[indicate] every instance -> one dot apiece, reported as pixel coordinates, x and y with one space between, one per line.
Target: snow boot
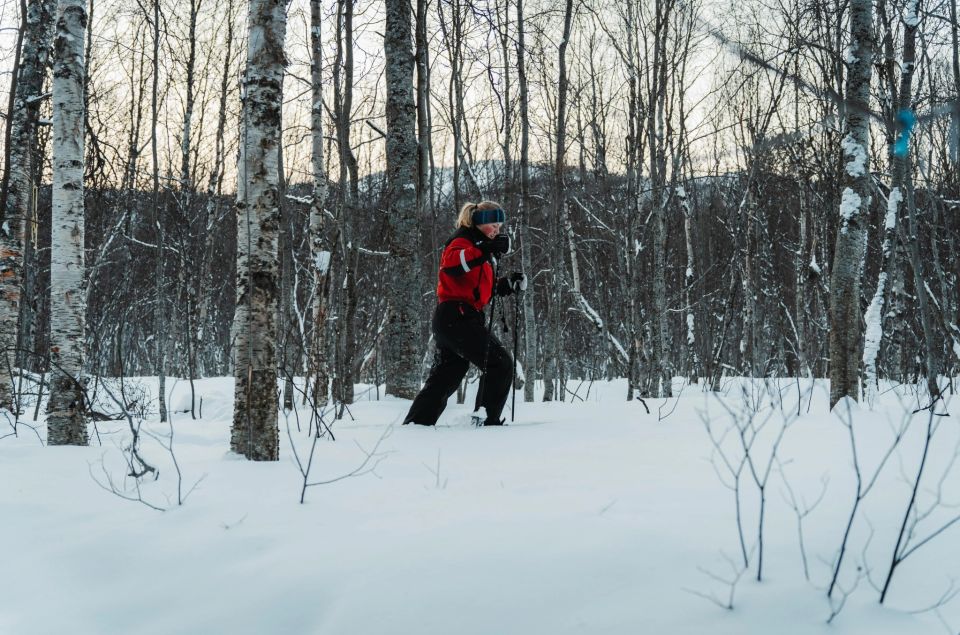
479 421
416 423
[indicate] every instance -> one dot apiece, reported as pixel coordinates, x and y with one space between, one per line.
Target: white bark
65 411
255 433
34 61
874 315
688 284
845 335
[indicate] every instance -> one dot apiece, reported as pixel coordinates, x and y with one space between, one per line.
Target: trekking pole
516 340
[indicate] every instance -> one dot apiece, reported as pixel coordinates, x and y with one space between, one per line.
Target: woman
466 285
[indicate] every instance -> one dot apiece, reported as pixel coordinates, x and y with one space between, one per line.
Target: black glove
513 283
496 246
518 281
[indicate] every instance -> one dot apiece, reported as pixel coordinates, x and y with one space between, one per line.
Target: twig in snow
801 510
436 473
837 604
736 573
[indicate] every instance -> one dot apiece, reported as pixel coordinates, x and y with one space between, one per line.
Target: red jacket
466 274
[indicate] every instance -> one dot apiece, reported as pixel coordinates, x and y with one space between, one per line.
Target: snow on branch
591 214
306 200
594 317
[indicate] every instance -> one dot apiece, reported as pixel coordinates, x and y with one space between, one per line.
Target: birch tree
403 376
187 189
657 131
255 433
845 336
66 424
38 32
931 352
347 200
553 374
159 308
900 164
288 329
636 106
320 261
529 318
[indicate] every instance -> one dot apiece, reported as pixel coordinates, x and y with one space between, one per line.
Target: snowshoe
479 421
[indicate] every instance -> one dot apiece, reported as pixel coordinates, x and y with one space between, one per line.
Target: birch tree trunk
931 352
746 255
688 283
66 424
288 331
159 309
912 240
20 167
255 433
845 336
900 164
403 325
659 195
529 319
187 289
632 211
347 195
553 375
320 261
801 262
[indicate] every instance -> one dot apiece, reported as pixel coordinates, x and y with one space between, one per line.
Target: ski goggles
485 216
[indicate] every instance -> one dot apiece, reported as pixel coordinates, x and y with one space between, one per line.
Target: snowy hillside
586 517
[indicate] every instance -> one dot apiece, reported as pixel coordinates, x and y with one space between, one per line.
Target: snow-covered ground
585 517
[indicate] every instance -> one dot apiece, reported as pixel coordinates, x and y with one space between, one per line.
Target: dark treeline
735 230
689 198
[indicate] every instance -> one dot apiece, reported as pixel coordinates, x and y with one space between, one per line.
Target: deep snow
585 517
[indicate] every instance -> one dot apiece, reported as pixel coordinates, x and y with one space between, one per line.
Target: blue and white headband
484 216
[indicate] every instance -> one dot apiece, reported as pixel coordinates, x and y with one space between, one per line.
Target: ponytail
465 218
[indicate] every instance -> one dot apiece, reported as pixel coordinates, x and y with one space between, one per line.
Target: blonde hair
465 218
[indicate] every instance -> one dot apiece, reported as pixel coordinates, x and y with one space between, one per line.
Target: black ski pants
462 339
